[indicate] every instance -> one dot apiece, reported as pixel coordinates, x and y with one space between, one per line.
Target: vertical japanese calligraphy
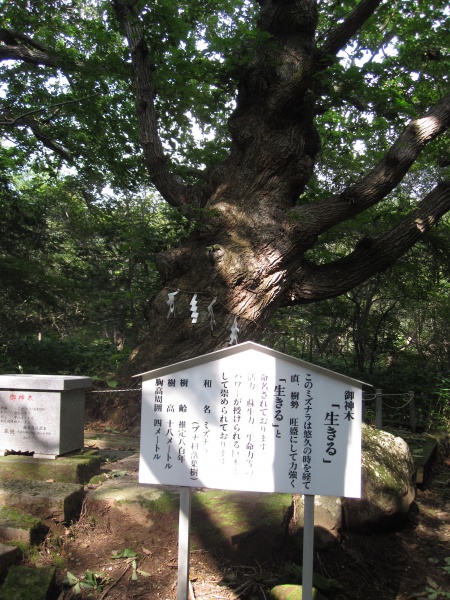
252 421
307 433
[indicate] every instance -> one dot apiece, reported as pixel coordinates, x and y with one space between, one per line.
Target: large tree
368 80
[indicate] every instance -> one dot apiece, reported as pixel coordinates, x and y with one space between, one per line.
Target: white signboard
250 418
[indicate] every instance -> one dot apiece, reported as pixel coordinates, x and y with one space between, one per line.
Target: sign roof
245 347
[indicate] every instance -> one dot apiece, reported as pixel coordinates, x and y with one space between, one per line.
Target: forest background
82 226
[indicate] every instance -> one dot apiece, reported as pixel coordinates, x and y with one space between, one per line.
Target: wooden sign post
252 419
184 542
308 546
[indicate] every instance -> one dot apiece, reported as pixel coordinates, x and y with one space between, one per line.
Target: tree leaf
126 553
70 579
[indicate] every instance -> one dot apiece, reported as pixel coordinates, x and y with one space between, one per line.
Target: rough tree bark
249 253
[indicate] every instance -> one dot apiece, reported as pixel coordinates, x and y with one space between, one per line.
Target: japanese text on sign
253 423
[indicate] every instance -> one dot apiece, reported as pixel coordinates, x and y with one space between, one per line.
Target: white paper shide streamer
194 309
171 303
234 332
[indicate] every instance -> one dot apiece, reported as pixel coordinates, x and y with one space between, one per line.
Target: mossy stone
78 468
15 525
388 483
291 573
9 555
62 501
291 592
26 583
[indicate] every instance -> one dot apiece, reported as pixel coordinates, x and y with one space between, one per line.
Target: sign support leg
184 542
308 546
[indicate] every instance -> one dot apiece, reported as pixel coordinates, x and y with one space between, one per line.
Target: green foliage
130 557
386 77
89 582
78 264
391 332
126 553
446 568
439 404
77 274
435 592
84 102
72 102
97 358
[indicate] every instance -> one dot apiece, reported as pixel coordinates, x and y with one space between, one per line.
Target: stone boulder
388 489
388 484
292 592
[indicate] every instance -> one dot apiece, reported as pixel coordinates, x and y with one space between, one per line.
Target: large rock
58 501
388 483
327 522
28 583
292 592
78 468
8 556
15 525
388 489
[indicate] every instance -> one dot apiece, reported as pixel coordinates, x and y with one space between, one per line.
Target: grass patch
164 503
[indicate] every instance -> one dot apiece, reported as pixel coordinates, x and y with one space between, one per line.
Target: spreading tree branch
170 186
313 282
54 107
378 183
292 25
17 46
34 57
340 36
284 96
26 119
47 141
11 38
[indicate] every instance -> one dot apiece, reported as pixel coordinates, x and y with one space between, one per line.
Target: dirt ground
411 563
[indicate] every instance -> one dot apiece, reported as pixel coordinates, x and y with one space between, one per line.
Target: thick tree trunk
248 251
246 268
